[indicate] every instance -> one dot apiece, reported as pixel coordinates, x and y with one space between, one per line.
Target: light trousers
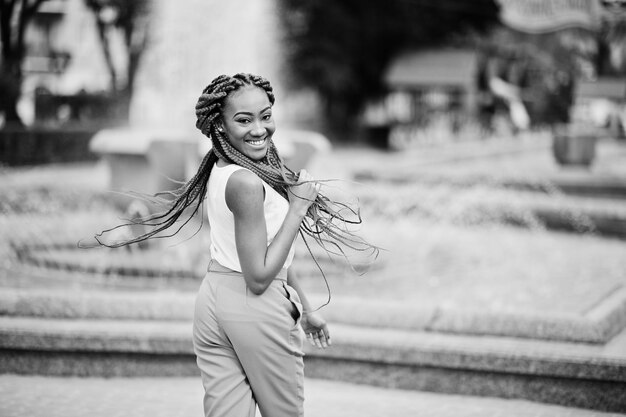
248 347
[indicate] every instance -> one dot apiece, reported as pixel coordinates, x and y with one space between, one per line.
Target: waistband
215 266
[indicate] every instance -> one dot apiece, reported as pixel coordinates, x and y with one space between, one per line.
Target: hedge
36 146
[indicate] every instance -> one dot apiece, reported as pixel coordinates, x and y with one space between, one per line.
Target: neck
221 163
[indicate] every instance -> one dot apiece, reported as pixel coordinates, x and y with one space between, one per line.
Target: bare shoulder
244 190
243 179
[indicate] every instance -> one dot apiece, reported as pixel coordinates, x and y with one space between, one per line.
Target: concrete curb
392 347
598 325
602 221
593 187
605 224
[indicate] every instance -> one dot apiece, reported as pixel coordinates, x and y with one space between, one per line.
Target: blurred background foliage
342 51
132 19
342 48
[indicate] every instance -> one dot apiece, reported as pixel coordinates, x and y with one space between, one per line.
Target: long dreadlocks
326 221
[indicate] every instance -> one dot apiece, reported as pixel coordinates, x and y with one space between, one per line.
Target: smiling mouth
259 142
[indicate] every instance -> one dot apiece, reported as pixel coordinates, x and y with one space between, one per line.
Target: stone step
574 374
598 325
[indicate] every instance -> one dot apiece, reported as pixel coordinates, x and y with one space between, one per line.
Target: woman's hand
316 330
303 194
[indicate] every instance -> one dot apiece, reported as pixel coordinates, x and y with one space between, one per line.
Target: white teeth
256 142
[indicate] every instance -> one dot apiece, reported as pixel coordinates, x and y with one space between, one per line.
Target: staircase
574 361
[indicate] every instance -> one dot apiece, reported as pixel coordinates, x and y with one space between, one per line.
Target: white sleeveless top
222 221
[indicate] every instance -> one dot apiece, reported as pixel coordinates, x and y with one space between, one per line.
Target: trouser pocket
294 299
278 302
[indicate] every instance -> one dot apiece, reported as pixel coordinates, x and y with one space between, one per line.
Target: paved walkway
35 396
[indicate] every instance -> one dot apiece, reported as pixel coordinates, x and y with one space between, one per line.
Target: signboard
541 16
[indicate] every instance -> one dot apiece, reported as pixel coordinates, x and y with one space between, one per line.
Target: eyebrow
247 113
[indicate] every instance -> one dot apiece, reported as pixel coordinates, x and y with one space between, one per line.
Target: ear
220 126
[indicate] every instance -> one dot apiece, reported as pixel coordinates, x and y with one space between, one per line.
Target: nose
257 129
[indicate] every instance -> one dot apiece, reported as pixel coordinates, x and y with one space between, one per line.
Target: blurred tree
542 66
341 48
130 18
546 66
611 40
15 15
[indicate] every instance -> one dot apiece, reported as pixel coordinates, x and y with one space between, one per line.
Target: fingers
304 177
326 333
306 189
317 339
320 338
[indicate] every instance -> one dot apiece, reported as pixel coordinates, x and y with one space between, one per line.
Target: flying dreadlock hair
326 221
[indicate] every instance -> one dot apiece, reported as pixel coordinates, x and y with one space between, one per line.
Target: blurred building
429 90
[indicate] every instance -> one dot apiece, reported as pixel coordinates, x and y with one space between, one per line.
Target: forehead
247 99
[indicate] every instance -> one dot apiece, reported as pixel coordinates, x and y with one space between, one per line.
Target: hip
225 294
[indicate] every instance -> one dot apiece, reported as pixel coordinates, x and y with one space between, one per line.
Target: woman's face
247 121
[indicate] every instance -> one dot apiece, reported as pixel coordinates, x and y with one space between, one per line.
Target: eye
243 120
267 116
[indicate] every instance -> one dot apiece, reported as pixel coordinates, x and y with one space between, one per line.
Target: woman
250 307
245 333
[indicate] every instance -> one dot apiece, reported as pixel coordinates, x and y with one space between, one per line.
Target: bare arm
261 263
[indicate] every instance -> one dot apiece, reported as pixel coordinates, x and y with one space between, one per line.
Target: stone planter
145 160
574 146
